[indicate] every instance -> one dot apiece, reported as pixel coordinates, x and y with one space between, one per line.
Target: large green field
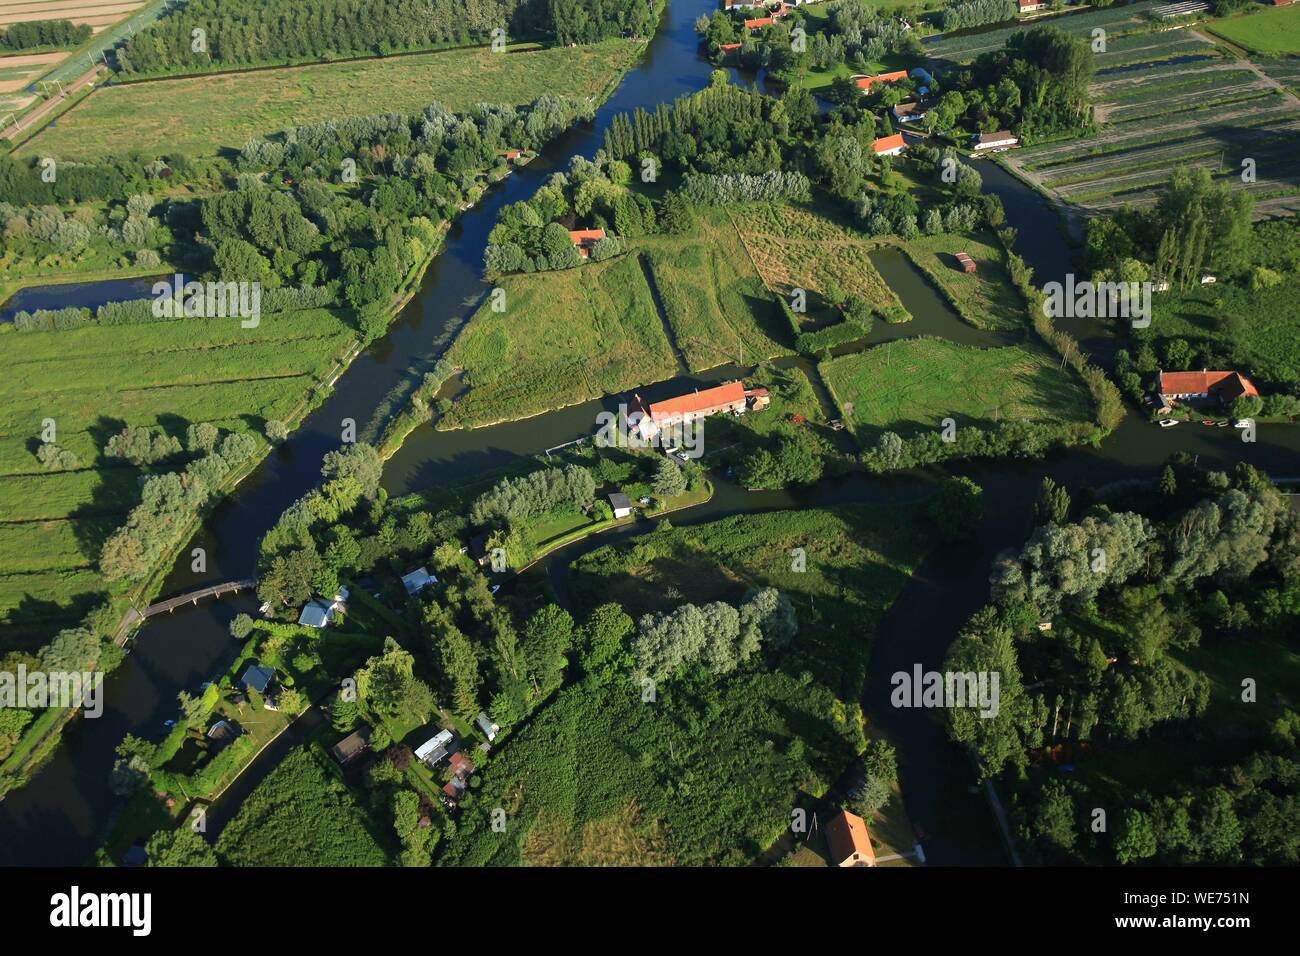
984 298
914 384
92 382
563 338
1268 32
709 772
202 115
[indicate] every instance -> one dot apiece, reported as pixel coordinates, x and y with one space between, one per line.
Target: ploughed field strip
1210 114
98 13
1115 20
1286 72
1126 52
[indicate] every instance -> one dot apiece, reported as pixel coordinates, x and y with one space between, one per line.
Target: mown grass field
1268 32
986 298
564 337
203 115
94 381
707 774
718 307
913 384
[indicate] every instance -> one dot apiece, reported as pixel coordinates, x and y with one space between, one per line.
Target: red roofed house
1029 6
460 771
759 23
889 145
849 841
686 408
965 261
1225 386
1282 3
512 154
729 48
584 239
865 83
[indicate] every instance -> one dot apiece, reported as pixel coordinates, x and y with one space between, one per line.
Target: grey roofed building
1000 138
352 746
621 504
257 678
436 747
224 730
417 580
316 613
485 724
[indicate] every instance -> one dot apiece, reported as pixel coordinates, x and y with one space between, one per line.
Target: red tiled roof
886 143
459 764
728 47
846 834
695 402
866 82
760 22
1229 385
584 239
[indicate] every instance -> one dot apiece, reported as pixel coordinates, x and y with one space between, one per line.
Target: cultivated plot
1224 115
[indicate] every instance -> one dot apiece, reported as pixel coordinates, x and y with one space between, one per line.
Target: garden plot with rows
1116 21
1202 111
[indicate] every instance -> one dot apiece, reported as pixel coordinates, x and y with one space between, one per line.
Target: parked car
1244 423
1167 422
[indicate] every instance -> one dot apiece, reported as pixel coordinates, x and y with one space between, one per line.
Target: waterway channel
61 815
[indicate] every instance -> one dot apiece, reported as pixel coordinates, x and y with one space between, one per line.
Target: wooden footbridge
193 597
135 617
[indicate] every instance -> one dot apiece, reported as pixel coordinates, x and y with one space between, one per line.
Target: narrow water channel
60 817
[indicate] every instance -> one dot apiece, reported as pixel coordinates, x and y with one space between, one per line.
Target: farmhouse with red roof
848 840
584 239
733 397
865 83
889 145
1227 387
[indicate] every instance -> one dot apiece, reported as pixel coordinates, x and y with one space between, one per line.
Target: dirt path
36 117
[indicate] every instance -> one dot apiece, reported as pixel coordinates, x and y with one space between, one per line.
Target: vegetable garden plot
1148 47
1195 101
1211 79
1116 20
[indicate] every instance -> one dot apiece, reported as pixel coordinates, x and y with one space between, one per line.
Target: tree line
248 32
34 34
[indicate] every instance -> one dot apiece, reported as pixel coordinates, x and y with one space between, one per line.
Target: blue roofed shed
257 678
317 613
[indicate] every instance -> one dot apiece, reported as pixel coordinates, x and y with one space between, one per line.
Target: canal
61 816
